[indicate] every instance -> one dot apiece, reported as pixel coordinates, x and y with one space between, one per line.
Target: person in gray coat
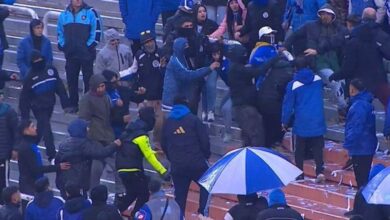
114 56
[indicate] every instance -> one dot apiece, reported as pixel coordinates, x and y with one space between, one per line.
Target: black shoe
300 177
348 165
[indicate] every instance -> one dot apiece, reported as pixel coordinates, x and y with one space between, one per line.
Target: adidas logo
180 130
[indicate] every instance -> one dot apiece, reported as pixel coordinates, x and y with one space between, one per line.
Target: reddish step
329 193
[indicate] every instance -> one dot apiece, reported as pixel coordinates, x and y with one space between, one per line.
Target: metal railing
49 15
22 10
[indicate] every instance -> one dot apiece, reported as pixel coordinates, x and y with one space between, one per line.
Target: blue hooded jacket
360 133
304 100
178 76
298 16
139 16
78 128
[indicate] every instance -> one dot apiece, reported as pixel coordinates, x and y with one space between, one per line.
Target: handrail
46 17
30 11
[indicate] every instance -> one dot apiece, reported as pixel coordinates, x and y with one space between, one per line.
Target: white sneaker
204 116
320 178
210 116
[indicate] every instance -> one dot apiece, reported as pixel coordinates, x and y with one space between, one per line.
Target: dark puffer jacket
8 130
79 151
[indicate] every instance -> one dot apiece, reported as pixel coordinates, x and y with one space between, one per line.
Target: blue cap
277 197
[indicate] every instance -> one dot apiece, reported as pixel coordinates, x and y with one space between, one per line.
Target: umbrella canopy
249 170
377 191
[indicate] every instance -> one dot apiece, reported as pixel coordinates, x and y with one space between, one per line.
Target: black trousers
361 168
272 128
251 123
72 68
43 117
136 184
301 144
194 96
182 180
4 175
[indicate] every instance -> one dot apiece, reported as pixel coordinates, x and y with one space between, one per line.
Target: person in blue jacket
45 205
79 30
178 76
304 104
360 134
139 16
35 41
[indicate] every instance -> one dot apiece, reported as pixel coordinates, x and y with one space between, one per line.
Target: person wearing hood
360 131
11 209
79 150
243 94
39 95
184 11
152 209
35 41
75 204
114 56
45 205
30 163
8 139
179 76
278 208
261 13
247 208
79 49
99 196
233 21
95 108
363 57
304 100
323 41
185 142
129 160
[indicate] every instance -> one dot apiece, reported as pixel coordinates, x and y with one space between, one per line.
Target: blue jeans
226 109
209 92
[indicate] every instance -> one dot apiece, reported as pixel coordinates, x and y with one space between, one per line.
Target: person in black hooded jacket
243 95
38 95
45 205
99 196
247 208
186 143
79 151
129 160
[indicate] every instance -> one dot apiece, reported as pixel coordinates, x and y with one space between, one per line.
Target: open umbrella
249 170
377 191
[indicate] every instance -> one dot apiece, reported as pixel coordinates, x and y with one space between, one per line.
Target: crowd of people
275 57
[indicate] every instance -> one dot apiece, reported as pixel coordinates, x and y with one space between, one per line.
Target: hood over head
179 111
305 76
78 128
96 80
328 9
34 22
237 53
111 34
179 46
363 96
99 195
277 197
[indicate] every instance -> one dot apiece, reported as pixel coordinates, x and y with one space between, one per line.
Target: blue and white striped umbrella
249 170
377 191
